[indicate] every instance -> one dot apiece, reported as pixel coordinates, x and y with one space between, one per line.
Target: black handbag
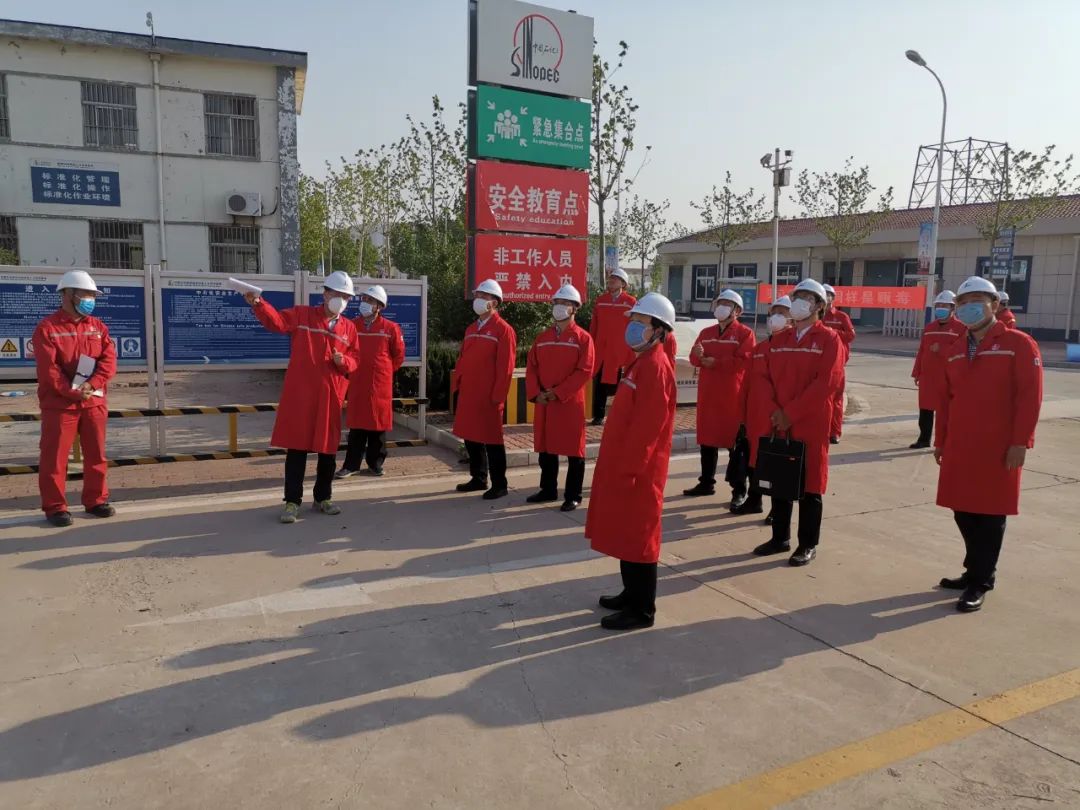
781 467
739 461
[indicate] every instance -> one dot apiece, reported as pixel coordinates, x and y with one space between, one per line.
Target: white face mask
481 306
801 309
560 312
777 322
337 305
723 312
367 309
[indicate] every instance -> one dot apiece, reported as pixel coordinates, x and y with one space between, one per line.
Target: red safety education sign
528 199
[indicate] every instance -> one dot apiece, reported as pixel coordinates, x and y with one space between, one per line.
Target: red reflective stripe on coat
803 377
59 340
627 499
929 368
720 386
758 406
1007 318
988 404
840 322
309 412
380 353
608 330
482 378
561 363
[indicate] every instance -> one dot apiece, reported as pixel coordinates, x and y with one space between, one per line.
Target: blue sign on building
404 310
72 183
217 327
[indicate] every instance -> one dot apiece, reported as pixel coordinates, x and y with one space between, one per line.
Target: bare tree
730 218
646 227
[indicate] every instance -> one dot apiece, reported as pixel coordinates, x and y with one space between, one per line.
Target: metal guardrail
190 410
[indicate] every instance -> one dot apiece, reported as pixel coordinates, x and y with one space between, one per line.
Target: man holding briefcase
804 372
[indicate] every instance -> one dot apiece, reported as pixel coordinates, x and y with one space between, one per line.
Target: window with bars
5 126
231 125
704 282
9 241
109 119
234 249
742 271
116 244
788 272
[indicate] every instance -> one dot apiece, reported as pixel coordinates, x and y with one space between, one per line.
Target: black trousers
365 445
296 468
639 585
549 476
485 457
983 536
754 488
926 425
736 473
810 509
601 392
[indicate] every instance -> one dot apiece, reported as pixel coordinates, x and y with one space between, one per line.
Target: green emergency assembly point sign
529 127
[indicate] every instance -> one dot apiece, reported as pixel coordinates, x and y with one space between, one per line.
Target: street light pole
918 60
781 177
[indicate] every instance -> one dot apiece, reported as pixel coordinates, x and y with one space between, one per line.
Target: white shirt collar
480 323
800 332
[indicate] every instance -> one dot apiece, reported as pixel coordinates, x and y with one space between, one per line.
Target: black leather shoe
736 502
961 582
772 548
768 519
542 497
919 445
102 510
376 471
834 440
495 493
626 620
60 519
473 485
699 491
971 600
569 505
802 556
750 506
617 602
597 422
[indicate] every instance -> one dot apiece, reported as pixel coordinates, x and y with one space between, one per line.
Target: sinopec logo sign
521 45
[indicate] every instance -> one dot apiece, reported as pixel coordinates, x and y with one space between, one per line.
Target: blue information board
404 310
121 305
749 297
68 185
217 327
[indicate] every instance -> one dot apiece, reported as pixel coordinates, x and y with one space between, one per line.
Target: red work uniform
561 362
757 404
59 341
840 322
371 387
627 500
309 413
929 369
481 379
608 330
801 375
989 403
720 387
1007 318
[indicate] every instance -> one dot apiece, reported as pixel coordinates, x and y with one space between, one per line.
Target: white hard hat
1003 297
945 297
809 285
655 306
339 281
491 287
829 289
977 284
730 295
567 292
377 292
76 280
618 272
782 301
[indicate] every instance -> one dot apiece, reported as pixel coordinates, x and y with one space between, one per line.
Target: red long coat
756 397
929 368
720 387
59 340
989 404
371 386
481 379
803 378
608 330
840 322
627 499
309 413
562 363
1006 317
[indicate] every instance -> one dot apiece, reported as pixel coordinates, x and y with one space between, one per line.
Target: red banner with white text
862 297
528 268
528 199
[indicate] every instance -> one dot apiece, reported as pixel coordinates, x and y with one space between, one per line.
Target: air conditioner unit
243 204
680 306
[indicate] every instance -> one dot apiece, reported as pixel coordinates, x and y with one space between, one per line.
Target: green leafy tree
730 218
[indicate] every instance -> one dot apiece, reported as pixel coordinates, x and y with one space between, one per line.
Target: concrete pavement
431 649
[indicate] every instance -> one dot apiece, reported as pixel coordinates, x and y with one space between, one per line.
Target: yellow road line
790 782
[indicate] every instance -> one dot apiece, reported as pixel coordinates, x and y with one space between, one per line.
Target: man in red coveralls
627 500
71 403
606 327
721 354
322 355
987 418
370 411
929 369
804 369
559 367
1005 313
838 321
481 380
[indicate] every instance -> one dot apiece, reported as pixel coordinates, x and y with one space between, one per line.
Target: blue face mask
85 306
972 313
941 313
635 334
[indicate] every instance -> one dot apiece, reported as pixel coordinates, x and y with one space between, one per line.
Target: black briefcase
739 461
781 467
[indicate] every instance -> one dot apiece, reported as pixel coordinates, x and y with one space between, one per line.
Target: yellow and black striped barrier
190 410
519 411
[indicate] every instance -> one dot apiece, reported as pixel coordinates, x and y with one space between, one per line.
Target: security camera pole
781 178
